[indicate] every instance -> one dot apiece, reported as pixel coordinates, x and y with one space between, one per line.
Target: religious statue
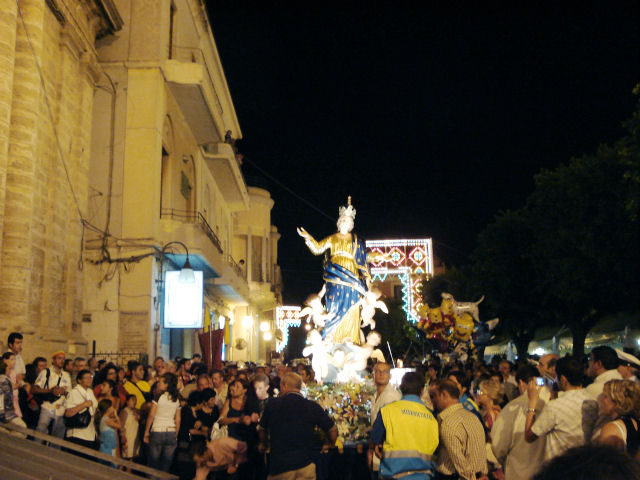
346 275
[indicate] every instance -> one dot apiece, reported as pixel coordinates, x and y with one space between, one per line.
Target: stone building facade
164 170
48 72
123 146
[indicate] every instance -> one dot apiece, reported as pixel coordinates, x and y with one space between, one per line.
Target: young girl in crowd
129 418
108 425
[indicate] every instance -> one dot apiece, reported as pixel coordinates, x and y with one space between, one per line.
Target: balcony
205 249
196 80
223 276
221 161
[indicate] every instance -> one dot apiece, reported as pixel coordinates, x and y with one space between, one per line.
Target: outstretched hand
302 232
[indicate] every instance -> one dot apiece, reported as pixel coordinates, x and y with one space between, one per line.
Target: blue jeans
50 419
162 445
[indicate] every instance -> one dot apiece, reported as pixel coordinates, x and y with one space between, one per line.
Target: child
129 418
108 424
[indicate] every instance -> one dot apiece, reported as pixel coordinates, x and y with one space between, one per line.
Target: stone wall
47 78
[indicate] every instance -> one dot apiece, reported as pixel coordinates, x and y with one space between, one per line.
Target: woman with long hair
9 359
163 423
7 410
488 396
620 400
237 413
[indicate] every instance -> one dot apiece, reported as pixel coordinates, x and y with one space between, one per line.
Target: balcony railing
236 268
195 218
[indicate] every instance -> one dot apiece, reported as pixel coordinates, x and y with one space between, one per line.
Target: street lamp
186 272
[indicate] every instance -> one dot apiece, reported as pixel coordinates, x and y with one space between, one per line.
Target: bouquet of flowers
348 404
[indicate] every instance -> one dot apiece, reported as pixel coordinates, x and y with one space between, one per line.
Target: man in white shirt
385 393
603 366
520 459
55 384
567 421
220 386
15 346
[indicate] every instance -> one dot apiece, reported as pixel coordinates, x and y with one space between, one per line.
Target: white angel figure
315 309
356 360
320 359
369 303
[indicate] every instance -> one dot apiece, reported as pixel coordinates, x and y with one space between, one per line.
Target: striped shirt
462 443
566 421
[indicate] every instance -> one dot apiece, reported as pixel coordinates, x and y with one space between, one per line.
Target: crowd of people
470 421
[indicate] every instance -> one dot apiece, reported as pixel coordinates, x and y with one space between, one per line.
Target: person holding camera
50 388
567 421
519 458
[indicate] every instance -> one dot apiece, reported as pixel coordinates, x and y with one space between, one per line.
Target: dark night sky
434 120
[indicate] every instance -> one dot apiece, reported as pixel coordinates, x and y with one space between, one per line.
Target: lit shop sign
182 301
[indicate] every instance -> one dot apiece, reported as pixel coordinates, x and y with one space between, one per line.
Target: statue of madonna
346 275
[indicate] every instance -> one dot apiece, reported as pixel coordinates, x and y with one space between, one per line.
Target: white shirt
58 406
221 396
388 395
19 368
521 460
595 389
165 417
77 396
567 421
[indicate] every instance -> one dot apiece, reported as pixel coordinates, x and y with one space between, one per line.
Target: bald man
289 421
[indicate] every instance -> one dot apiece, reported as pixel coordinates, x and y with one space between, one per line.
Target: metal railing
122 358
241 272
20 443
195 218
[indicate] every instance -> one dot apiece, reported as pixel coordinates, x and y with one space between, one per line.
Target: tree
586 239
503 269
395 329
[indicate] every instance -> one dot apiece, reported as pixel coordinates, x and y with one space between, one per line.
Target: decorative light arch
286 316
411 260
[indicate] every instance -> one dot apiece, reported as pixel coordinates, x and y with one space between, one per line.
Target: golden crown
348 211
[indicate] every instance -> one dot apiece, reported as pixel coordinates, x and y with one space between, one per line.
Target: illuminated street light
267 336
186 272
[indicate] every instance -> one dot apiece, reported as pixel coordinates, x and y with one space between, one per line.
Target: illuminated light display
286 316
183 302
411 260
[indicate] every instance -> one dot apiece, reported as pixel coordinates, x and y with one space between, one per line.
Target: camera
540 381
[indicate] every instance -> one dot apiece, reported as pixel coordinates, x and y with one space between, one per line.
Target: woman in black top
236 413
189 426
208 412
620 400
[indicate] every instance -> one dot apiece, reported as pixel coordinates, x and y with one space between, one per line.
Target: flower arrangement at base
348 404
